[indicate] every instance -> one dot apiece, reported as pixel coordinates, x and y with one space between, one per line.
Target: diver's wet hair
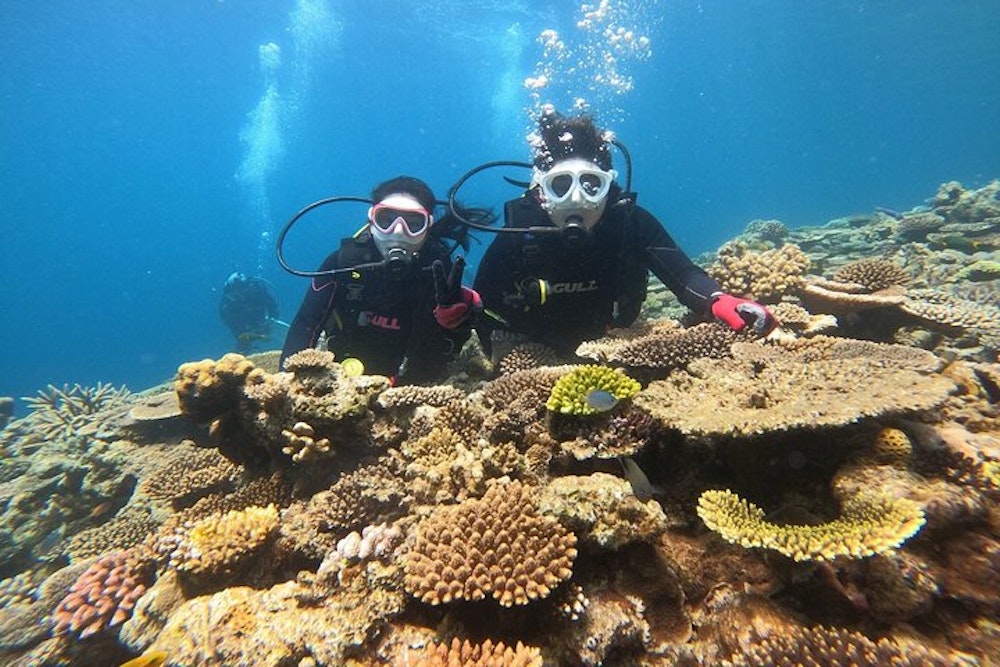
560 138
406 185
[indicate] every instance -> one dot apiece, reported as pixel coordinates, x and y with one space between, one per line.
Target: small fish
149 659
641 487
600 400
895 215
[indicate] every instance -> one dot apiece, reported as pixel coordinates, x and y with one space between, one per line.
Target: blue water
148 149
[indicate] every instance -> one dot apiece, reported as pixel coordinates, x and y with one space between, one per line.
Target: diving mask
574 192
399 227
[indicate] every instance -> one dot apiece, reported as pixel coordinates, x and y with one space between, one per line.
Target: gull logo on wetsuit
573 288
367 318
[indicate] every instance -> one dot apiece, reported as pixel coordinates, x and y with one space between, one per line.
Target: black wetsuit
596 284
247 308
378 318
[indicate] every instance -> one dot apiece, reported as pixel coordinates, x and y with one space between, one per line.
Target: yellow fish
150 659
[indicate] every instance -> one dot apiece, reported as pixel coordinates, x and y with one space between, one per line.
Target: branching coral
188 473
664 349
499 546
765 276
873 273
464 654
572 392
526 356
61 413
867 526
411 396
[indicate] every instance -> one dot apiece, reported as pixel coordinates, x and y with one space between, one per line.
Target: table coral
868 525
664 349
834 647
498 546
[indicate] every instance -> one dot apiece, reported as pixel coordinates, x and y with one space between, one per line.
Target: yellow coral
216 544
892 447
207 388
487 654
868 526
570 393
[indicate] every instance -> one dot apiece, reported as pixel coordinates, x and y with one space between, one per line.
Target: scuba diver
249 309
390 296
580 264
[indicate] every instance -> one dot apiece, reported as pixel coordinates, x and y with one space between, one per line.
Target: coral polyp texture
574 394
665 348
499 546
873 274
868 525
764 276
461 653
104 595
831 647
207 388
217 544
810 384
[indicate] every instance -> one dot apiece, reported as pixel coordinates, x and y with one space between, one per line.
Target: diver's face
575 192
399 222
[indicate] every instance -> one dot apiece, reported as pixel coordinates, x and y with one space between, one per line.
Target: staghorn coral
833 647
763 276
219 544
868 525
206 389
487 654
806 384
664 349
571 393
874 274
103 596
411 396
499 546
63 412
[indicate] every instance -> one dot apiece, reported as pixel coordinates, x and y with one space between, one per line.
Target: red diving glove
736 313
455 302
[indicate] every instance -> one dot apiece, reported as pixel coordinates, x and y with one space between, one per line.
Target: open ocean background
150 147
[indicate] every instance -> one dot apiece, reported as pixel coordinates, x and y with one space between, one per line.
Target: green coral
569 395
868 525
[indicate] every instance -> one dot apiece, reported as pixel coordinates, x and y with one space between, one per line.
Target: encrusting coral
497 546
572 392
867 525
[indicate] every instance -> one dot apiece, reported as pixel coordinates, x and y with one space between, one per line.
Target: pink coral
103 596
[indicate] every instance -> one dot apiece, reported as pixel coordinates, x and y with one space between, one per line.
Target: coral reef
324 518
573 392
499 546
867 526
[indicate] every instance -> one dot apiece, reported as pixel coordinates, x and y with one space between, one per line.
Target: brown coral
129 528
206 389
498 546
665 350
103 596
951 312
834 647
763 276
411 396
814 383
189 473
527 356
873 273
464 654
